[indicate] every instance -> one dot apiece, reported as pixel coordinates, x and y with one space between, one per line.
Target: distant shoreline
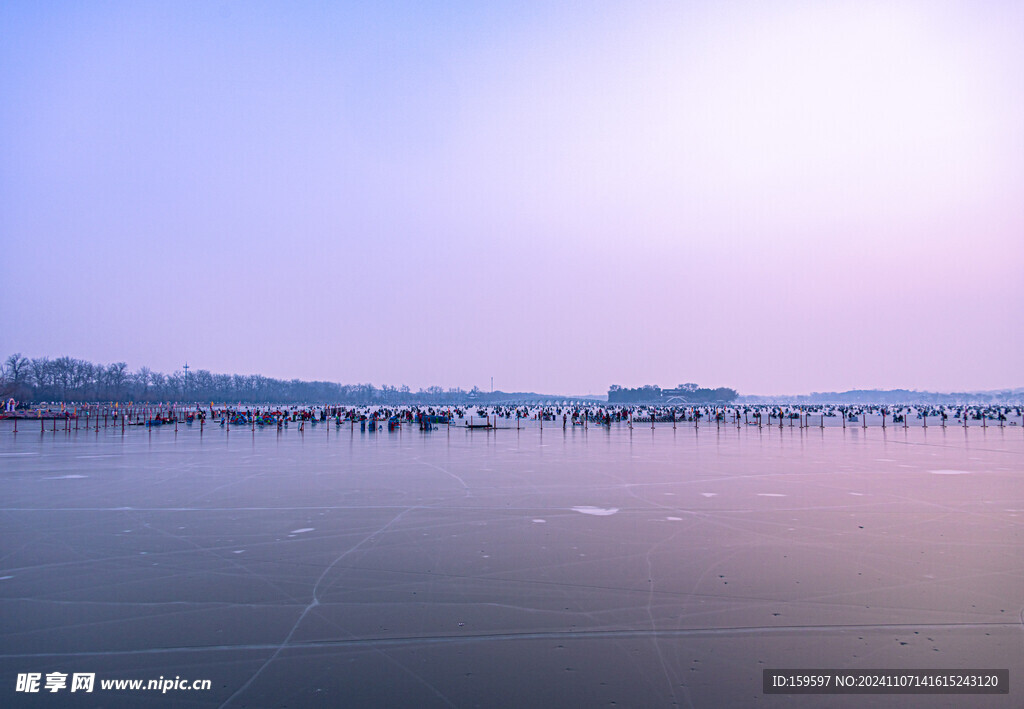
66 379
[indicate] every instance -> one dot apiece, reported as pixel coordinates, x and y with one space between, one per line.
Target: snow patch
597 511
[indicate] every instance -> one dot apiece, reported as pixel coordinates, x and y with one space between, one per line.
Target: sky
775 196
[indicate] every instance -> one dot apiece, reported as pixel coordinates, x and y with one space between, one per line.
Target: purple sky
776 196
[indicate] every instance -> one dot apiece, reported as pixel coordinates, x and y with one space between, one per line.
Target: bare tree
117 375
16 368
140 381
42 376
63 375
82 377
159 385
15 372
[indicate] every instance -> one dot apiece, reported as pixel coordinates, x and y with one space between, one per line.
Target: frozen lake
504 568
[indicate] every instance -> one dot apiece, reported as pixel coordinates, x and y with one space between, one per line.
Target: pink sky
775 196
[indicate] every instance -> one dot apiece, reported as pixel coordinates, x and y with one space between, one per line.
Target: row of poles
804 419
122 418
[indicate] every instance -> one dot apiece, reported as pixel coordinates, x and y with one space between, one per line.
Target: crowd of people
517 416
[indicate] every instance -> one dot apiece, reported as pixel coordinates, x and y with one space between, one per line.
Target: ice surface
447 568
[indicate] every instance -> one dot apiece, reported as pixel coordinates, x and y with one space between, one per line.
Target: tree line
66 379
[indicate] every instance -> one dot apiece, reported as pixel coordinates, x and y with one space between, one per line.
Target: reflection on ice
443 560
